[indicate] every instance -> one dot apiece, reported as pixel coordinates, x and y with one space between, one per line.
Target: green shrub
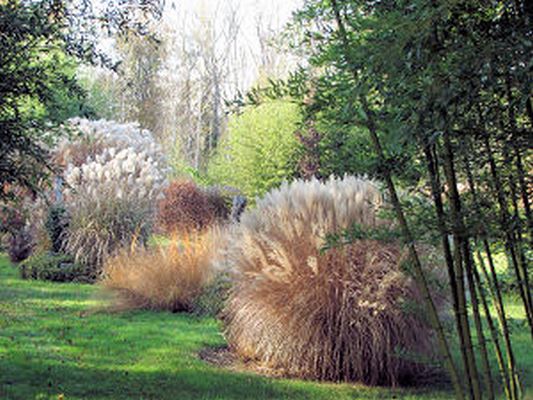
211 301
52 267
55 224
261 149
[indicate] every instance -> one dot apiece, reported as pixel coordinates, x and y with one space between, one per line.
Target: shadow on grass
51 379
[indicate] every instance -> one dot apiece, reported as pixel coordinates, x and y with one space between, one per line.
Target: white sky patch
248 57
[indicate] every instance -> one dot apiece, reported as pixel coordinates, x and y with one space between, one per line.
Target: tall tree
38 87
41 44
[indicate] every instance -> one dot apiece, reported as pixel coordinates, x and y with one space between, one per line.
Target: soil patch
223 357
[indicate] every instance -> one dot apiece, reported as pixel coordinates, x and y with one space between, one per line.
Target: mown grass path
53 346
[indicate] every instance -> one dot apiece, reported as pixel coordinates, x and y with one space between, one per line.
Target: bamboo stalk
441 222
518 159
504 373
419 272
459 249
517 235
517 225
514 386
509 240
529 110
511 380
487 374
523 188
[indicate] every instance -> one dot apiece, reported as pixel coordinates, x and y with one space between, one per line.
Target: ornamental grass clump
167 277
110 198
345 314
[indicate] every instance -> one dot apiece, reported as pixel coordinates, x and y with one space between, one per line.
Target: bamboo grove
449 84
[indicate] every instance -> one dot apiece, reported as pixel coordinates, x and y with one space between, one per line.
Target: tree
260 150
42 41
139 96
38 90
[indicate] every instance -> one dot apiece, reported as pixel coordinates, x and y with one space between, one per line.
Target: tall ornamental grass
169 276
346 314
111 197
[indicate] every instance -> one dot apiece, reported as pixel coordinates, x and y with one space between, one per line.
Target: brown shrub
20 245
185 208
342 314
167 277
220 199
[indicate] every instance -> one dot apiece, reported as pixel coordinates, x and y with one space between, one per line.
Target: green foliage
100 92
55 224
356 232
295 86
38 89
51 266
345 147
261 149
211 301
197 176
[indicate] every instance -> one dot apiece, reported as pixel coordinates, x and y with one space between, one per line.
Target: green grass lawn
53 346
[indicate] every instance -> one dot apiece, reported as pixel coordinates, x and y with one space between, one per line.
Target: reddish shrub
20 245
185 208
18 232
11 219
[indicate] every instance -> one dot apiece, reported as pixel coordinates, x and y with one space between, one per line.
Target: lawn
54 345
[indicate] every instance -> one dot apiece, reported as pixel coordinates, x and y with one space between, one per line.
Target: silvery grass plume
111 196
342 314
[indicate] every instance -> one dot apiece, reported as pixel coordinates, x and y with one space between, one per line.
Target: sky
271 15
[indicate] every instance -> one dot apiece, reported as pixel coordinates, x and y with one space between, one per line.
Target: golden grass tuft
167 277
340 315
